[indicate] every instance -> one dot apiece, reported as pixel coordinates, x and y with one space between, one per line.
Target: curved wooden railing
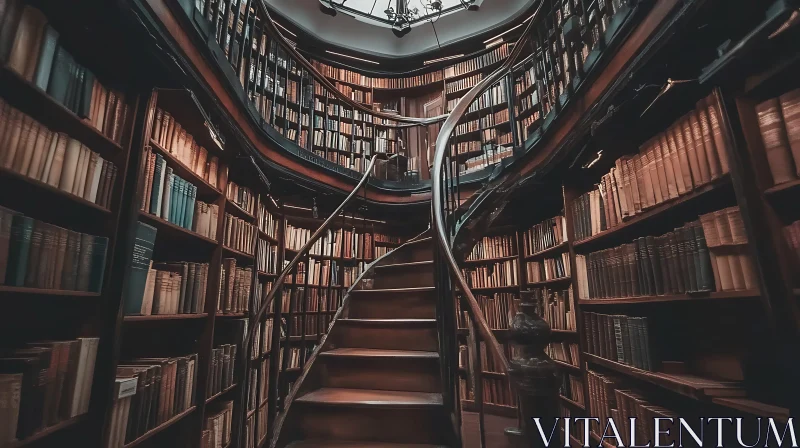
561 43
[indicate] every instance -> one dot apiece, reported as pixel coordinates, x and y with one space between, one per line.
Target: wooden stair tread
378 353
392 322
409 264
396 290
342 444
367 397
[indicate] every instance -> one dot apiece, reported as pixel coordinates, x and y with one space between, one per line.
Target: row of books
548 233
525 80
565 352
218 425
172 288
467 127
234 287
258 381
675 263
557 307
243 197
31 149
336 243
490 157
467 147
239 234
572 388
498 309
37 254
262 339
408 81
165 387
548 269
351 273
463 83
221 365
267 222
479 62
779 124
498 274
494 247
267 257
342 74
315 324
690 154
496 118
172 198
495 391
171 136
44 383
124 390
37 56
494 96
612 398
620 338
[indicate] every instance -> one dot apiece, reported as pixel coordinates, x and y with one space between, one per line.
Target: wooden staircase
375 382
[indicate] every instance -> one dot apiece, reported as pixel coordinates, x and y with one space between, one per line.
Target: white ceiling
349 33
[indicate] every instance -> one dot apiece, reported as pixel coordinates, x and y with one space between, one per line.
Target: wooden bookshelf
49 431
688 385
165 317
160 427
718 295
174 230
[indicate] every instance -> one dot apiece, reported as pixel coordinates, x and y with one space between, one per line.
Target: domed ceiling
364 26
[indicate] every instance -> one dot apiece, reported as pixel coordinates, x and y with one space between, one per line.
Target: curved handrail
437 193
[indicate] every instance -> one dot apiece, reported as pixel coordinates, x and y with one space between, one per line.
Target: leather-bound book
10 12
705 275
776 143
14 135
736 224
737 275
674 136
31 366
69 168
44 65
61 75
19 249
715 121
61 254
138 268
44 141
701 141
790 108
696 151
748 269
84 100
27 146
34 254
27 42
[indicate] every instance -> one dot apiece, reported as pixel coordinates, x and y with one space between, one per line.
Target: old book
10 400
138 269
27 146
675 137
69 168
47 51
776 143
696 151
25 51
715 121
41 148
20 123
708 150
790 109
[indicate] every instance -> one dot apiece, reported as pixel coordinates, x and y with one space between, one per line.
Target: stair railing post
534 377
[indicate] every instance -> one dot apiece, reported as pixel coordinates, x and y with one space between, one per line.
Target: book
549 233
36 254
239 234
497 274
54 158
493 247
182 147
45 383
234 287
776 142
138 269
620 338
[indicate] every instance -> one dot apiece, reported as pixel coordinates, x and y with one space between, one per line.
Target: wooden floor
494 426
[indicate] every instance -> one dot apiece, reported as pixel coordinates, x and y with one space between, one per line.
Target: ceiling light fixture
351 57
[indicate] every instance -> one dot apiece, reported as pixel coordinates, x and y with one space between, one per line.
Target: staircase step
331 396
378 353
405 265
411 290
396 370
418 305
389 334
404 275
355 444
419 250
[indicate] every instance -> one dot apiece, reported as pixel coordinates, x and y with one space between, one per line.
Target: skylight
376 10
